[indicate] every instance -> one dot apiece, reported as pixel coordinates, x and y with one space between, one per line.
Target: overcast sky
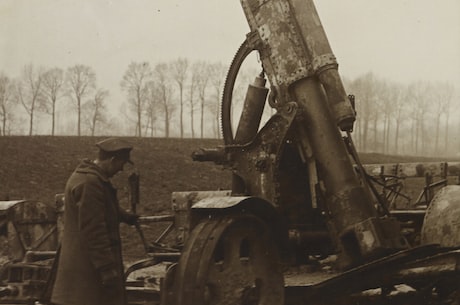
403 40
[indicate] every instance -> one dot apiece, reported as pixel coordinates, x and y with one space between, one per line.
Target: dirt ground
37 168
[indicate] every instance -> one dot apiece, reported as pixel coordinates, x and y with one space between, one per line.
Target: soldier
90 267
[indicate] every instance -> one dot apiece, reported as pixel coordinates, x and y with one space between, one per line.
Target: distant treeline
181 99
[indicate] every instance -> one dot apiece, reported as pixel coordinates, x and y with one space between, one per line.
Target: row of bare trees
181 98
394 118
405 119
40 90
191 89
178 96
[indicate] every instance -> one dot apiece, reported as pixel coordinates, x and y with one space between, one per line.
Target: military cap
116 146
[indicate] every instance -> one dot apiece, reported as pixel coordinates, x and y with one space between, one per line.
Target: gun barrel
295 47
299 63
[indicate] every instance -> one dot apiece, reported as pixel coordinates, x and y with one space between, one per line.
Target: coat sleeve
126 217
92 224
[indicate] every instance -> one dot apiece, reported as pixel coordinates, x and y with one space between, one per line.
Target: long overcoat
90 242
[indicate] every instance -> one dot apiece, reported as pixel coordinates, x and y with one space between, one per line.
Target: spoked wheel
229 261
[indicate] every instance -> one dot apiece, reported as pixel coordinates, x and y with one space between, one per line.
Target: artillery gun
300 193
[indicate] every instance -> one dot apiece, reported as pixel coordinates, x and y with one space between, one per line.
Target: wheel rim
227 262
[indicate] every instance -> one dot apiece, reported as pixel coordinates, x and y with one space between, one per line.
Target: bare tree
29 92
193 86
419 108
437 106
388 97
399 112
217 77
163 85
81 80
6 102
377 113
418 98
96 109
179 73
365 92
202 80
53 81
152 108
134 83
442 98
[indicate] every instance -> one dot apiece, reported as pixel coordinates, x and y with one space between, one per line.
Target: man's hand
131 219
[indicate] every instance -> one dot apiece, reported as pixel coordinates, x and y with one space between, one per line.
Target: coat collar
88 167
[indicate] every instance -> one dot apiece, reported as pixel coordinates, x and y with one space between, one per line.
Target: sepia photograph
217 152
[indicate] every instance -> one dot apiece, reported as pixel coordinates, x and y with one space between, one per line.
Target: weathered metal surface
228 261
251 114
296 55
219 202
416 267
30 239
297 167
257 163
181 205
442 264
414 169
29 226
295 47
442 219
24 282
5 205
287 60
403 186
348 203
